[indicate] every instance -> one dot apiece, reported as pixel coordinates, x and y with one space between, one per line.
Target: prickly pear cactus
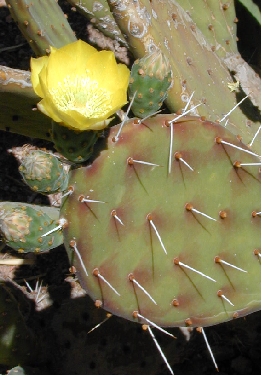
75 146
150 79
42 23
163 226
30 228
41 170
181 32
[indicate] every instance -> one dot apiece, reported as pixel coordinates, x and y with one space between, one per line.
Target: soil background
61 321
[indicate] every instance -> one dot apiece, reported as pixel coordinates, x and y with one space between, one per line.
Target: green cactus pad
172 236
99 14
75 146
150 79
18 104
197 69
42 23
41 170
23 227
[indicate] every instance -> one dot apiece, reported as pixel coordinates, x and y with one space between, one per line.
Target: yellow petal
45 106
118 100
102 67
69 60
81 87
36 67
123 76
76 121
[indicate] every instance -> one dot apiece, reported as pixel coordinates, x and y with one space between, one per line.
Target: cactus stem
229 112
62 224
149 218
132 279
219 260
256 134
73 245
219 140
178 262
189 207
98 275
178 157
116 138
201 330
114 215
82 198
147 327
131 161
221 295
137 315
108 315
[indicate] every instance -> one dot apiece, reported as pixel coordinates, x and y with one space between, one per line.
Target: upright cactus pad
150 79
30 228
194 54
41 170
42 23
164 224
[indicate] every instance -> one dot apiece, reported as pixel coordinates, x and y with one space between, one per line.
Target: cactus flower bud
156 64
81 87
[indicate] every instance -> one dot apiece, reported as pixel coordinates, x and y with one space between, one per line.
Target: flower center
83 95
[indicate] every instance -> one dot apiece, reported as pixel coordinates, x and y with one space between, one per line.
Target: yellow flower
80 86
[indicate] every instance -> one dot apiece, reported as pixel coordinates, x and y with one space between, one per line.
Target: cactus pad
75 146
24 227
168 237
150 79
42 23
41 170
